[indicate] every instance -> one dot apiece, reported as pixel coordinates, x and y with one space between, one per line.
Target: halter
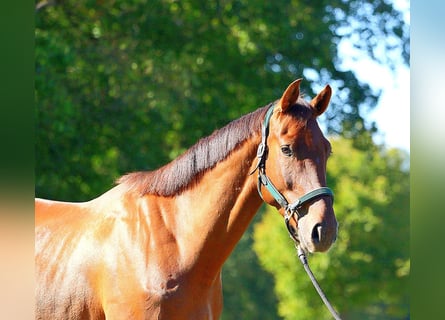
290 209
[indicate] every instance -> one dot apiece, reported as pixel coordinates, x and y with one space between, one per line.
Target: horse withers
153 246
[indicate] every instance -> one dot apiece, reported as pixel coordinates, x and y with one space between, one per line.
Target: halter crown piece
291 209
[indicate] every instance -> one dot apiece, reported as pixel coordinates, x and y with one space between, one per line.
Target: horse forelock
185 170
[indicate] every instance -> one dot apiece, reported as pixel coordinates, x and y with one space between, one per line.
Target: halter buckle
262 150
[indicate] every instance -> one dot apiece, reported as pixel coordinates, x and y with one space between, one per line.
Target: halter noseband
290 209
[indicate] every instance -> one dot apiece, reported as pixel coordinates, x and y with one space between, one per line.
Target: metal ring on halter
293 235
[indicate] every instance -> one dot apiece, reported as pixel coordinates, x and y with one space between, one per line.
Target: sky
392 113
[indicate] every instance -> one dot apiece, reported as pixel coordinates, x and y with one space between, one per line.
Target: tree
248 288
126 85
366 272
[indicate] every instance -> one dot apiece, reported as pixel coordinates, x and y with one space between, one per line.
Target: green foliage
140 81
366 272
247 288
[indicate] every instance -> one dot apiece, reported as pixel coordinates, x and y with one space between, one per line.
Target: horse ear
321 101
290 95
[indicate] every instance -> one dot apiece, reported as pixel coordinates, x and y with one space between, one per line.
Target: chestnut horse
153 246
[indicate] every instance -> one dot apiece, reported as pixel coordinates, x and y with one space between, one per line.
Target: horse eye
286 150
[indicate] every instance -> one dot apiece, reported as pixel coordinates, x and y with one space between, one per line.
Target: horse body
134 253
129 257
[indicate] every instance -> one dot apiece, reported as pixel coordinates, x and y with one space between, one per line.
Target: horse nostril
317 233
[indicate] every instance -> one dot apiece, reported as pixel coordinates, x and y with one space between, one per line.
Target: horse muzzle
313 226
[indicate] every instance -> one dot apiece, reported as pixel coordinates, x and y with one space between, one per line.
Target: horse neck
210 217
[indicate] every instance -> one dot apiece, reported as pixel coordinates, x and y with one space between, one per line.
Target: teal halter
290 209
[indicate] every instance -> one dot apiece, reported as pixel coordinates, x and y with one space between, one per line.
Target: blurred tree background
129 85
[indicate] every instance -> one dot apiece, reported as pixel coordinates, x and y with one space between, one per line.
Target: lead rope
303 259
308 270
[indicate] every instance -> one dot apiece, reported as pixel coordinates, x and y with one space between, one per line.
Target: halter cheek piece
290 209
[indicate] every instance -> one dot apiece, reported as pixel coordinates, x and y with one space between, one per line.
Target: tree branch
45 3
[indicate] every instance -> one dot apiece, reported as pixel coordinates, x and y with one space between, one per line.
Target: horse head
297 152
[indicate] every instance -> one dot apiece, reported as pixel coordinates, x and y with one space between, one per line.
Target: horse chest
183 299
